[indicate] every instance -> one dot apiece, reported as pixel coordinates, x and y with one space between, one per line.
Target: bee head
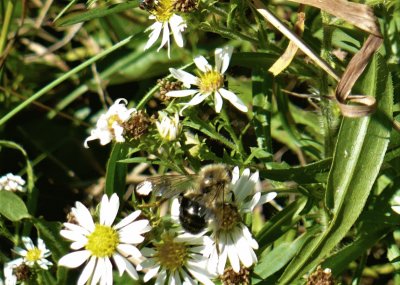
214 177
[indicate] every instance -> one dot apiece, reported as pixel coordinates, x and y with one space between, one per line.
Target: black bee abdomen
192 215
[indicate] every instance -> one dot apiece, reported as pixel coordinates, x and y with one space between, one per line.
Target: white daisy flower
98 242
32 255
232 238
210 82
110 125
11 182
166 20
168 128
178 260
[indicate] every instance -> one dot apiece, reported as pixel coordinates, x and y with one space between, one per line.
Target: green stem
329 118
231 132
6 25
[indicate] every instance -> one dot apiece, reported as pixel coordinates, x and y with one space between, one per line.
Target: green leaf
262 108
274 260
281 223
12 207
97 13
310 173
358 157
116 171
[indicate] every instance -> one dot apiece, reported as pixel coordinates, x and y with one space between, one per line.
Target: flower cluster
98 242
11 182
163 12
32 258
210 82
175 256
110 125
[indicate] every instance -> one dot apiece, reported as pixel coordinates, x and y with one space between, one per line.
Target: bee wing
167 186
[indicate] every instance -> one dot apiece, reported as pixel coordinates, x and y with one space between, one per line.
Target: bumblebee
201 195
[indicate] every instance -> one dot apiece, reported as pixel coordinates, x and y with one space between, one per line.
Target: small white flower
210 82
178 260
98 242
168 128
32 255
110 125
166 20
234 241
11 182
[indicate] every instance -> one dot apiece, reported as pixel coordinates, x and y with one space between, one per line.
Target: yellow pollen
172 255
103 241
163 10
33 254
211 81
112 119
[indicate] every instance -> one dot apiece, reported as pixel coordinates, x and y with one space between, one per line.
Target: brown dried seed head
231 277
166 86
137 125
321 277
185 6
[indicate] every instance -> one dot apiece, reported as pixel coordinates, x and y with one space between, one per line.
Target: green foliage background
62 65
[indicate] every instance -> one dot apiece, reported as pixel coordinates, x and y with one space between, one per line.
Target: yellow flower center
163 10
211 81
103 241
112 119
170 254
33 254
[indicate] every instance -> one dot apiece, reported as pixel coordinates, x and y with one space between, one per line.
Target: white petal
202 63
182 93
135 228
185 77
222 58
187 280
107 278
233 98
161 277
74 259
177 278
83 216
112 210
76 228
247 235
99 270
28 243
78 244
127 220
197 99
267 198
233 256
154 35
200 274
151 273
73 236
178 25
165 37
129 250
217 102
235 175
222 258
87 271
